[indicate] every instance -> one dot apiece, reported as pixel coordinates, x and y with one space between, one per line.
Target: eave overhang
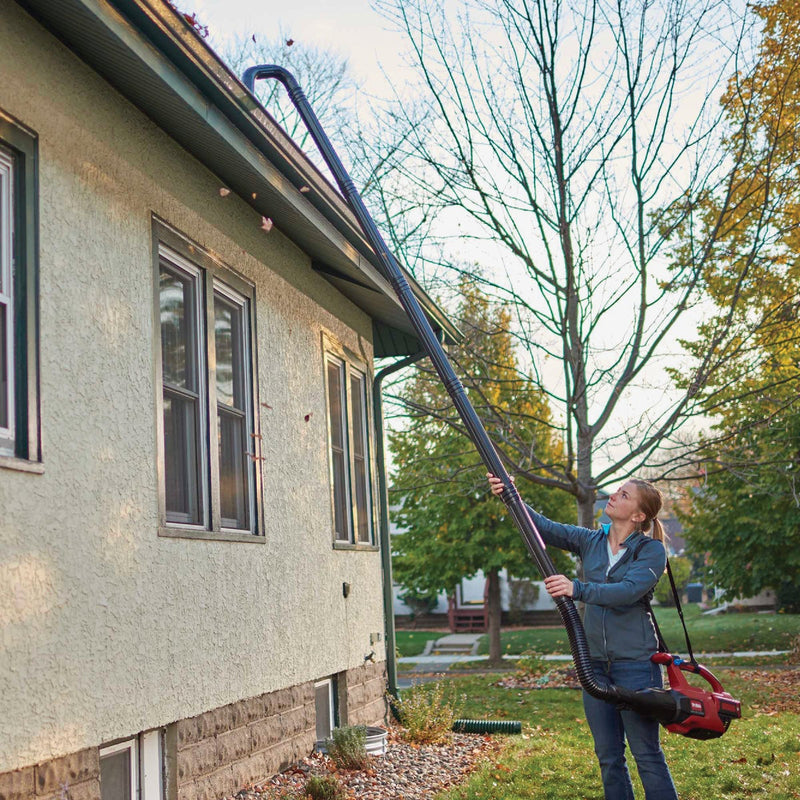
157 61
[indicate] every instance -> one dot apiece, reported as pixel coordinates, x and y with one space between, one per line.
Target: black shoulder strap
662 646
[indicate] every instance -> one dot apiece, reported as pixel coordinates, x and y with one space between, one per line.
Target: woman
622 562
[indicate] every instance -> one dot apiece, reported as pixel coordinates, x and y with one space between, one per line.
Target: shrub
324 788
348 747
428 712
420 603
788 596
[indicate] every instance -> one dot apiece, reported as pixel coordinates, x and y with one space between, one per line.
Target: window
349 445
6 302
207 370
119 771
325 708
132 770
19 404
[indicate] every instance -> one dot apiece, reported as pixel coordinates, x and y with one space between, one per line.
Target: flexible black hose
660 704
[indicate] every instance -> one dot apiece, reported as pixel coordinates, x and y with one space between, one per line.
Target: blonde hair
650 502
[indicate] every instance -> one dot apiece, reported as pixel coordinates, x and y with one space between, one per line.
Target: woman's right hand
496 485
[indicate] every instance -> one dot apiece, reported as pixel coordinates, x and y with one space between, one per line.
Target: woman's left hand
558 586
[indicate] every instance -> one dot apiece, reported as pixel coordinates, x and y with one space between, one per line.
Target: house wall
216 753
106 628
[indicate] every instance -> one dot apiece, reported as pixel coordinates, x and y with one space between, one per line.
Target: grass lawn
758 757
412 643
720 633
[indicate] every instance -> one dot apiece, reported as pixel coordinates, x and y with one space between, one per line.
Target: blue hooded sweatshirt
618 625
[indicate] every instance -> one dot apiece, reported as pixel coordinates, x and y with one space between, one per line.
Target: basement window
119 771
325 708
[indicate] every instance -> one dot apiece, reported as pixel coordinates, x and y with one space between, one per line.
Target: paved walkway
449 660
453 644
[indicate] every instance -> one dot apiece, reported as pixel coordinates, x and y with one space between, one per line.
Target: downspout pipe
660 704
383 511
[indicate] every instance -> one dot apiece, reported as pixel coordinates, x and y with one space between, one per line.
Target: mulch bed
406 772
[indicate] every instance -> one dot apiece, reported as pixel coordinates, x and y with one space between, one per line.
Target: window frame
330 684
146 762
22 448
352 365
212 277
132 746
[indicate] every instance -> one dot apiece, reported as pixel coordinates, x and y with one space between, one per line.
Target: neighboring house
190 574
522 601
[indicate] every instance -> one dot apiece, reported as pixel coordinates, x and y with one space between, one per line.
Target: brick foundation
72 777
216 753
365 695
221 751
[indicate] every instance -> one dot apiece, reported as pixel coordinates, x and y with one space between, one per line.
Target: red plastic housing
707 713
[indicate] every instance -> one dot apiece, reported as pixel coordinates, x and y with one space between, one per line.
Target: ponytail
658 532
650 502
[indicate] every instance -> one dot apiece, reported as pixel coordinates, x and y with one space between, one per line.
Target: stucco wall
106 628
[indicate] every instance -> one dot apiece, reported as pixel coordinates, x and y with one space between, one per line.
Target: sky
350 27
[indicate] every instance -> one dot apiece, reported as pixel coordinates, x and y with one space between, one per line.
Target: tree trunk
585 501
586 493
495 617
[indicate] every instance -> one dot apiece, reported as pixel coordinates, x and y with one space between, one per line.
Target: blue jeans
611 728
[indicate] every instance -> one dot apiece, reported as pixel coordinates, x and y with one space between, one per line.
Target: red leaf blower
700 713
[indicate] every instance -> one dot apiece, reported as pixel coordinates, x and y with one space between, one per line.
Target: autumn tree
564 143
452 526
745 512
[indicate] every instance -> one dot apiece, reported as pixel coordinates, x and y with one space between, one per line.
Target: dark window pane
233 471
230 353
338 434
323 710
115 776
4 376
181 459
6 173
360 459
340 510
179 341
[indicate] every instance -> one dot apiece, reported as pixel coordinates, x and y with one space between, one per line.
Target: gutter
153 57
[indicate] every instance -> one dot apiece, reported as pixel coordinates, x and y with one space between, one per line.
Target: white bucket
375 744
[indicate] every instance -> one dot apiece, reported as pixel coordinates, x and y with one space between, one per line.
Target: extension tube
664 705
